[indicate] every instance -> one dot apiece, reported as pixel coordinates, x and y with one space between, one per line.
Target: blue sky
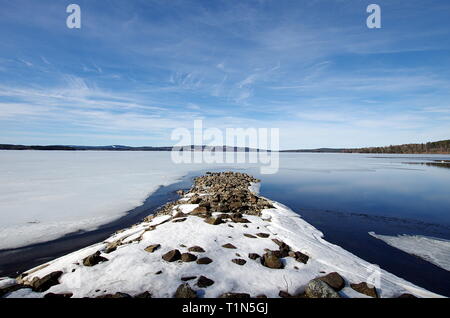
138 69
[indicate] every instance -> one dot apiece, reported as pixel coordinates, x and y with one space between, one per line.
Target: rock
111 247
204 261
334 280
195 199
261 296
229 245
300 257
179 220
116 295
406 296
145 294
180 192
239 261
196 249
172 256
44 283
365 289
199 210
152 248
319 289
94 259
272 261
187 278
185 291
179 215
12 287
158 273
281 244
188 257
284 294
239 220
234 295
52 295
253 256
214 221
263 235
249 235
204 282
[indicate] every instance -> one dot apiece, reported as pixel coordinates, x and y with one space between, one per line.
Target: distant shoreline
438 147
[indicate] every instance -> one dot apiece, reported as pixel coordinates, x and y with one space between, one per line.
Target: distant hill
126 148
437 147
316 150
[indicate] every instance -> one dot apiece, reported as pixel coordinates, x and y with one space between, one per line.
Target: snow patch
431 249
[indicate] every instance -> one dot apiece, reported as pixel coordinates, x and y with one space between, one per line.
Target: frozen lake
45 195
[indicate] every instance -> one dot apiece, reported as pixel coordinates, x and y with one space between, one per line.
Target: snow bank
433 250
132 270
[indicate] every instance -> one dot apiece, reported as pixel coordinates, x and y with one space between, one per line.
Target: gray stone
319 289
185 291
272 261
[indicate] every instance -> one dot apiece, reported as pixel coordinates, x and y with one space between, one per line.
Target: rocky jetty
219 239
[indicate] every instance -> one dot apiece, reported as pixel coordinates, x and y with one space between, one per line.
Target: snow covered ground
133 270
47 194
433 250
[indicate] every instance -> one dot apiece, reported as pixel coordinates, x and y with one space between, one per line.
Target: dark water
346 198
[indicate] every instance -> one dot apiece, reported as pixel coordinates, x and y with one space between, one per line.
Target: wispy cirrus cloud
310 68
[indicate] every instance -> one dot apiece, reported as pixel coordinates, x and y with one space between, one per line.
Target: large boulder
319 289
